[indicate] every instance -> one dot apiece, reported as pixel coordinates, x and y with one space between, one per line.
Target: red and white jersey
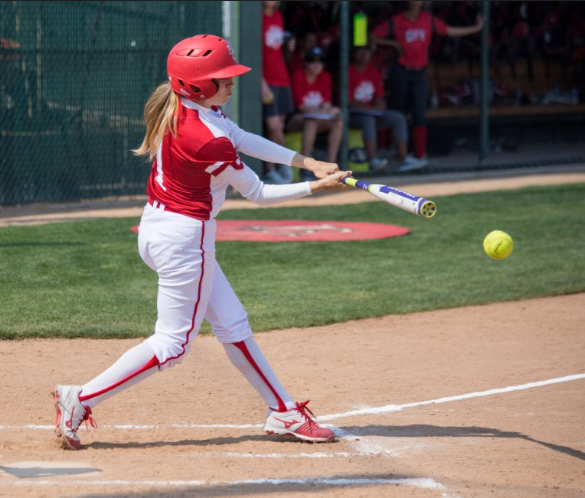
193 169
365 87
414 37
312 95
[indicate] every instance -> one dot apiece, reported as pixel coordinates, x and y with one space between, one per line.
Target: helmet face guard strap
195 64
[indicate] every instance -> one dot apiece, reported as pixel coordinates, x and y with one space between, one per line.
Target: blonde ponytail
160 116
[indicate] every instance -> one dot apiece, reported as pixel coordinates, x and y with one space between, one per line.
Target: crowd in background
388 80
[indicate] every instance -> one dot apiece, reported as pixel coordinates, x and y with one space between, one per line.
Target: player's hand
267 95
331 182
322 169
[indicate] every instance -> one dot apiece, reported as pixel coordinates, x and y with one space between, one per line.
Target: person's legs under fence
335 128
419 130
275 115
182 251
229 322
274 133
368 126
397 122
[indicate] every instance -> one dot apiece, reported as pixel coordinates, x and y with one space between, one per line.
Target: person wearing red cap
194 148
312 96
410 33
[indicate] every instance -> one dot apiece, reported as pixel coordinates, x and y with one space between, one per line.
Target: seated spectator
368 112
307 41
315 114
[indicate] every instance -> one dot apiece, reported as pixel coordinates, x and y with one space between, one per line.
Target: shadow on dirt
438 431
216 441
265 487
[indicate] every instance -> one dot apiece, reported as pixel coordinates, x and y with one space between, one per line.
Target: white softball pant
191 287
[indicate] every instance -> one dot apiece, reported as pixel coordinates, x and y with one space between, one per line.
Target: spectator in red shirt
410 33
312 98
306 41
368 111
276 91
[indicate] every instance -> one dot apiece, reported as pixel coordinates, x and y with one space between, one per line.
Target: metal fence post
250 44
343 65
485 76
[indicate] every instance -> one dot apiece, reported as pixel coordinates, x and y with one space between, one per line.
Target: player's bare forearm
320 169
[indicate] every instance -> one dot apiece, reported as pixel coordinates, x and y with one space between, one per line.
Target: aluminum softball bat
403 200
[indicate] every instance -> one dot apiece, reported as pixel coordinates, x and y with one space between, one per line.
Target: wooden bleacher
547 75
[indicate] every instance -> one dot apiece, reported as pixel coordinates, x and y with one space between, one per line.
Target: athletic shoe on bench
410 163
70 413
378 164
297 423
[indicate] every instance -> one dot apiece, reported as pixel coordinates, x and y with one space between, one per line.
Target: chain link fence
74 78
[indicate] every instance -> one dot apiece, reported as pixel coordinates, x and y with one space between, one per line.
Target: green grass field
86 279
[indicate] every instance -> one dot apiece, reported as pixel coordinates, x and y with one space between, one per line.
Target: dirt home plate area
481 401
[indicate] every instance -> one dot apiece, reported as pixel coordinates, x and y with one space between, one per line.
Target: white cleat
70 413
297 423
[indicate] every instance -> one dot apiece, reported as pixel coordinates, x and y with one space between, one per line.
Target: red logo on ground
302 231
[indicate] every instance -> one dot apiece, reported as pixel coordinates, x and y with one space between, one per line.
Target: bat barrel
403 200
427 209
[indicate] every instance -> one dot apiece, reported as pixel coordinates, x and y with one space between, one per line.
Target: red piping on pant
152 363
198 298
244 349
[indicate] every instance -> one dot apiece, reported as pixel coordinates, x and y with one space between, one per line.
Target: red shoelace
86 417
303 409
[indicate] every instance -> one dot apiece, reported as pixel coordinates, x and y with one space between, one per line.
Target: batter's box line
309 482
324 418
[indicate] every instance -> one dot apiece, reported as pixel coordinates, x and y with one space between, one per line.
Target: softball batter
194 151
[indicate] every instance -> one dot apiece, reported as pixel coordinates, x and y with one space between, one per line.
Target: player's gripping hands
331 182
320 169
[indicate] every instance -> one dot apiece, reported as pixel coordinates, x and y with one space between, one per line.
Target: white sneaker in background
411 163
378 164
273 178
285 172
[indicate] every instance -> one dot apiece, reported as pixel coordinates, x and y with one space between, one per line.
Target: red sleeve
440 27
326 86
381 30
297 87
217 155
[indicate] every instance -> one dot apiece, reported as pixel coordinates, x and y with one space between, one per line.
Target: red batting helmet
195 61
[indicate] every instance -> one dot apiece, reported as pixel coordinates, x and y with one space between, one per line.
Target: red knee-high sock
419 136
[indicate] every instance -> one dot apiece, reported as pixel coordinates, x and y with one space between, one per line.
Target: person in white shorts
194 147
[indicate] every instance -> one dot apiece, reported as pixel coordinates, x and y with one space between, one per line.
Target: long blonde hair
160 116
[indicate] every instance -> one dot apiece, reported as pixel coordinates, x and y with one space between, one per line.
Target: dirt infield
191 431
482 401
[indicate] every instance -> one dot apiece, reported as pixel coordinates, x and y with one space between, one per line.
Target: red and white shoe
297 423
70 413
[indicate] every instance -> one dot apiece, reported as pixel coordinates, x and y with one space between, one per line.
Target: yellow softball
498 244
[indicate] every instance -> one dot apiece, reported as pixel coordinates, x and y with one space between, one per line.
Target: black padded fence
74 78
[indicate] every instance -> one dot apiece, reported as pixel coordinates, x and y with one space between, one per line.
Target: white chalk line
364 411
425 483
491 392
